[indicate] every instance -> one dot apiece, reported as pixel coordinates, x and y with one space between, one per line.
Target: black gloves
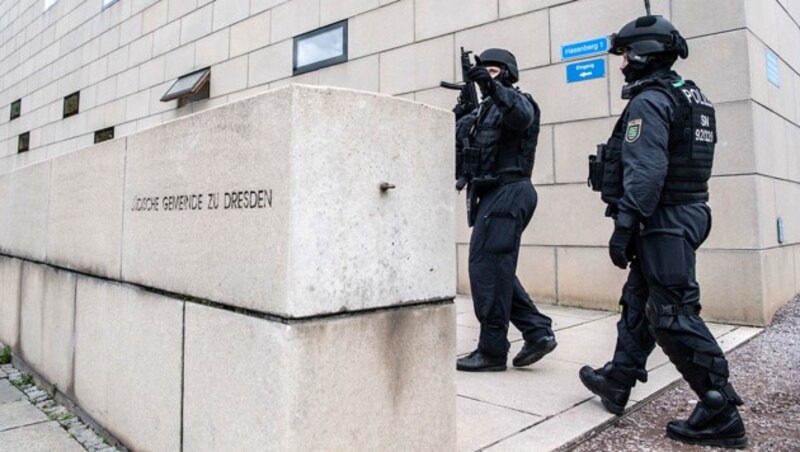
461 183
464 105
481 76
620 245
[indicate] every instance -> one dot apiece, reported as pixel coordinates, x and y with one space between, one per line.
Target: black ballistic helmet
648 35
503 58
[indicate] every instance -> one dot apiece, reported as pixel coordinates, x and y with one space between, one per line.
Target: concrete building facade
123 55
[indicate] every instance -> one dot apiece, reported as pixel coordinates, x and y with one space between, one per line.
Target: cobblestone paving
82 433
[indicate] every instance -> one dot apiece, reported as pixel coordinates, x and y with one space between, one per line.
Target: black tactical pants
661 302
498 296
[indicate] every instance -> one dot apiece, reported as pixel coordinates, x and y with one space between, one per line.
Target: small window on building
72 104
16 109
104 135
49 3
190 87
107 3
24 142
323 47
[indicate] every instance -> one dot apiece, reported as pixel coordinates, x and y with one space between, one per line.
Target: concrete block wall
124 58
308 310
283 143
160 373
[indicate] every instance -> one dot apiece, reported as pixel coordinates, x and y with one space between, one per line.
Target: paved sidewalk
23 427
545 406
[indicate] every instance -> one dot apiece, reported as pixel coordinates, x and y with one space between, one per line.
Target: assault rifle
466 161
468 100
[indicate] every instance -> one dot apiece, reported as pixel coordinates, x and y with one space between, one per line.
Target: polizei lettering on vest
695 96
249 199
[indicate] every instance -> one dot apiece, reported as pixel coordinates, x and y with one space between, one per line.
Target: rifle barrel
449 85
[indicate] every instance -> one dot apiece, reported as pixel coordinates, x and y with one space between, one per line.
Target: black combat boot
534 351
612 393
479 362
715 421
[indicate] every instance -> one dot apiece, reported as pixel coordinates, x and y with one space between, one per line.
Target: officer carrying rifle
495 148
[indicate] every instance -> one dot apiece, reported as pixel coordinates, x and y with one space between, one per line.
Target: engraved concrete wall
154 242
299 171
207 190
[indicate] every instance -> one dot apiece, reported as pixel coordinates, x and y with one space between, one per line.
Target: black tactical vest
516 151
492 151
693 134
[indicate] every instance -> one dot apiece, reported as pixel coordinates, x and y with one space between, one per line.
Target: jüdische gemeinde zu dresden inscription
232 200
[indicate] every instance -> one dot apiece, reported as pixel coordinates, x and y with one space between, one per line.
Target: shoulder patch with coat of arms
634 130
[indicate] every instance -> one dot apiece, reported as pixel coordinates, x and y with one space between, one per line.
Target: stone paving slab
557 430
481 424
2 374
8 393
544 389
590 343
570 311
737 337
718 329
43 437
19 413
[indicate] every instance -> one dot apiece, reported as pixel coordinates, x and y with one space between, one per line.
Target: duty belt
511 178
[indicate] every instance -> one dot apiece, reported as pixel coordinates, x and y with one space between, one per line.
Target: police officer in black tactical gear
653 173
496 143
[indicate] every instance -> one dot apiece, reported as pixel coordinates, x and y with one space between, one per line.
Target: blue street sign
586 70
584 48
773 69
